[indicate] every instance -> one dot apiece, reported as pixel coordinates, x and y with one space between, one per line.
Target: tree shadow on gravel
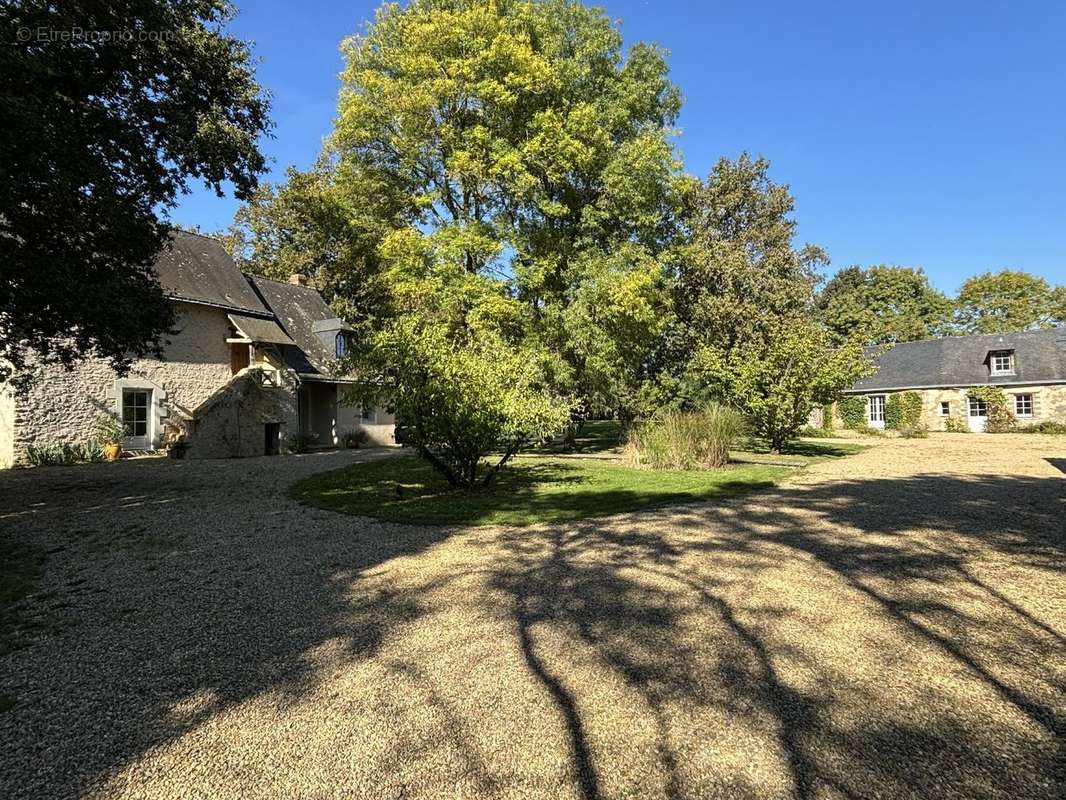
883 637
717 620
235 592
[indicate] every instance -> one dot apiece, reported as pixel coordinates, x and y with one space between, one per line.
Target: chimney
297 279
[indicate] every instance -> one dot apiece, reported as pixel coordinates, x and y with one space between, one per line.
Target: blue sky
916 133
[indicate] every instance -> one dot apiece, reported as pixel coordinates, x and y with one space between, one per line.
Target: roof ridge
1041 331
256 276
197 233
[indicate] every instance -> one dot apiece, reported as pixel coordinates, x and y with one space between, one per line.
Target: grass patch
535 489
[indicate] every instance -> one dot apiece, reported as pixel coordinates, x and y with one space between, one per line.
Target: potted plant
355 438
109 433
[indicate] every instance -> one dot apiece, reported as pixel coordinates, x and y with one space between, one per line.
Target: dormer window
340 343
1001 362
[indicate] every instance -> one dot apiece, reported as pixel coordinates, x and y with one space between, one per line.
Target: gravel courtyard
889 625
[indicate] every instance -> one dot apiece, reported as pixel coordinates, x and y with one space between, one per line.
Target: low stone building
250 363
1030 368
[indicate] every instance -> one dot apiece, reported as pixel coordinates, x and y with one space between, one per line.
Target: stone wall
7 428
1049 403
232 422
63 405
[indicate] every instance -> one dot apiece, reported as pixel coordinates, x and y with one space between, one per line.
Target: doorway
272 438
978 416
135 406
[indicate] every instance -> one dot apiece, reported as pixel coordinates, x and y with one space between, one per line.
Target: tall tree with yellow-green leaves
521 162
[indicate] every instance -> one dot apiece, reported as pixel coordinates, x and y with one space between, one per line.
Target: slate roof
299 309
259 330
198 269
1039 357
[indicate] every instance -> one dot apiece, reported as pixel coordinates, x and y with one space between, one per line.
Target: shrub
815 433
90 451
903 410
61 454
1048 426
300 442
852 411
918 431
462 402
867 430
1000 417
778 380
355 438
956 425
684 439
893 413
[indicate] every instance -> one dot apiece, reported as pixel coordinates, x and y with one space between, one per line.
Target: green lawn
536 488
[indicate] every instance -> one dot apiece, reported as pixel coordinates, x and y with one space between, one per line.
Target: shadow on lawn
526 492
724 626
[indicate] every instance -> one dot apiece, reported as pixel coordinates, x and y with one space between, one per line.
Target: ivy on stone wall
903 410
1001 418
852 412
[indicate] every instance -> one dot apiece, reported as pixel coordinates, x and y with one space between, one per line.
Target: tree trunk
490 477
570 438
440 466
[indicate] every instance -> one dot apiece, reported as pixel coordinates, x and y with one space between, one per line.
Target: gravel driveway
890 625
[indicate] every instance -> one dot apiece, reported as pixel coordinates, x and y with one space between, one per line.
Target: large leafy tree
99 131
745 332
523 185
740 272
883 305
523 142
737 273
1007 301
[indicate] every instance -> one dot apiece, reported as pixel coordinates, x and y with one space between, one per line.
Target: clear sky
926 134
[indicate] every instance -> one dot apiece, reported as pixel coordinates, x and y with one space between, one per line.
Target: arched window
341 345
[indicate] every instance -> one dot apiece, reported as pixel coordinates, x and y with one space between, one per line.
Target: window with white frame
135 412
341 344
1023 405
1002 362
978 407
945 408
877 408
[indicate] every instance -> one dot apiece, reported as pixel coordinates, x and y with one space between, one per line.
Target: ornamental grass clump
684 439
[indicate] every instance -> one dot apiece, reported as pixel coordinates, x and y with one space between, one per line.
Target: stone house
1029 366
250 361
